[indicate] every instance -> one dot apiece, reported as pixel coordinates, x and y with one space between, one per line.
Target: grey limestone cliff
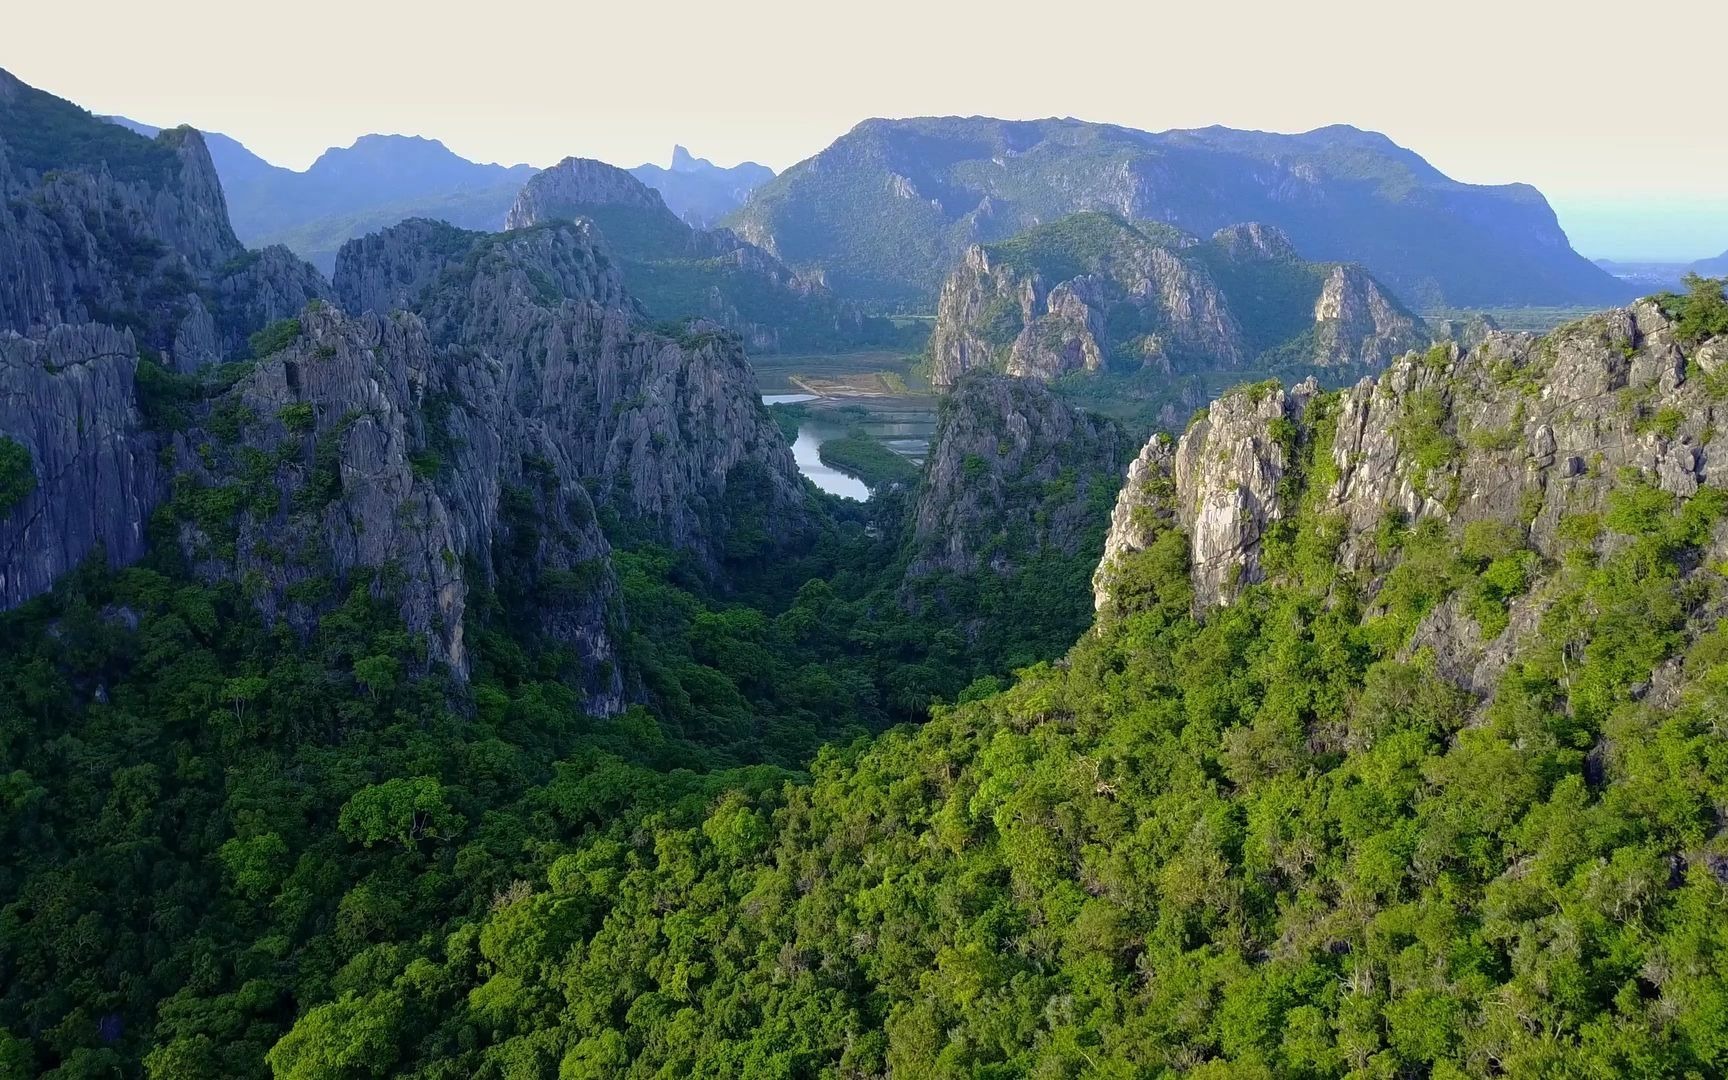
102 225
1522 444
658 428
67 398
1013 471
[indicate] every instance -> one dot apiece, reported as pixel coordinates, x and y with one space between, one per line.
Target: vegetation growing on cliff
17 473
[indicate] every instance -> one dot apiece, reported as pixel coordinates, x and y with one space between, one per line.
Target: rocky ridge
482 407
1521 447
1093 292
656 427
129 230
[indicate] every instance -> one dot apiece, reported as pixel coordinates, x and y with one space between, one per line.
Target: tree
404 810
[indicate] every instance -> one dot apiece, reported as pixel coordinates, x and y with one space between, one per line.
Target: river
905 429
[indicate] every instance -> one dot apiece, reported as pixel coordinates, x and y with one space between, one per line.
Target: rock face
680 272
539 322
105 225
1520 437
1013 471
1093 292
1357 323
488 401
1229 470
67 398
930 187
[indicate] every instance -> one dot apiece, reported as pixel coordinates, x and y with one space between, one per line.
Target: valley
996 599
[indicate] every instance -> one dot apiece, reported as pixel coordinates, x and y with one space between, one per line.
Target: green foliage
404 810
17 474
44 133
1076 244
1421 432
1701 312
298 418
862 455
275 337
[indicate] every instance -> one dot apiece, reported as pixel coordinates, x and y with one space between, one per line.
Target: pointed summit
683 162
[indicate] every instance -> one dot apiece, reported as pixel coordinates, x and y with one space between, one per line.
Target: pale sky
1614 110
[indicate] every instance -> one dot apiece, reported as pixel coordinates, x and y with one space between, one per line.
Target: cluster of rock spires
1094 292
1520 431
457 411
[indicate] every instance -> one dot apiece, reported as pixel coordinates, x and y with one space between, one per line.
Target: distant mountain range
1649 277
700 191
383 179
887 209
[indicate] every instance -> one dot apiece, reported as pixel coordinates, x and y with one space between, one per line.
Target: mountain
681 272
893 205
1009 516
1717 267
1646 277
350 191
700 191
106 226
454 677
1092 292
347 443
1400 706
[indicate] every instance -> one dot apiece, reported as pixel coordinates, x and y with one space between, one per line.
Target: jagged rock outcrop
1081 294
680 272
1093 292
1145 507
1357 323
1013 471
1229 469
392 269
1526 440
104 225
659 429
1467 332
390 467
67 397
560 192
1252 240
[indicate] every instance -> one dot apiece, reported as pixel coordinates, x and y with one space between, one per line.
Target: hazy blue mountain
350 191
700 191
1717 266
889 207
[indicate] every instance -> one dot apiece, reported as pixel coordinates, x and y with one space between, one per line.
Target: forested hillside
445 671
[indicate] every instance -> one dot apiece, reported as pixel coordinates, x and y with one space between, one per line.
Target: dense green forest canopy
1264 840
